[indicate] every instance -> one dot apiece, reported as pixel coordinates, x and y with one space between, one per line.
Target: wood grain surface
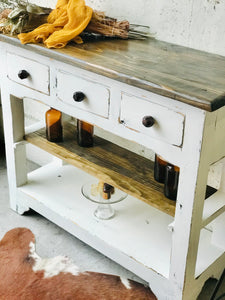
187 75
110 163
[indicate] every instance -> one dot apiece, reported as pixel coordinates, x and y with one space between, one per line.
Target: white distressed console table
175 247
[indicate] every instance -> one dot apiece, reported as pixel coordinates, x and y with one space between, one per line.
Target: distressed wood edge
218 102
40 49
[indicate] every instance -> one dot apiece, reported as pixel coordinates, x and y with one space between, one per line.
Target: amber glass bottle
159 169
85 133
171 181
53 125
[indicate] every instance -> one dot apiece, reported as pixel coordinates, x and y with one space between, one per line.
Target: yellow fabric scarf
65 22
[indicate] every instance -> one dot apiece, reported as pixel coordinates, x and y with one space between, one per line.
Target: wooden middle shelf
110 163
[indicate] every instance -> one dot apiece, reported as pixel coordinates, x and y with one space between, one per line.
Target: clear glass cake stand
104 210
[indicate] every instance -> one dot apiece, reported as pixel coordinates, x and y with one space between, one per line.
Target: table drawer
165 124
83 93
28 73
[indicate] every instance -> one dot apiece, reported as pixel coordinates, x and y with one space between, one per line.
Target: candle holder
94 191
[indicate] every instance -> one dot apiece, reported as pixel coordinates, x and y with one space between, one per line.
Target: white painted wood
20 163
213 207
38 78
206 151
189 206
218 225
207 252
175 262
217 138
134 224
222 184
96 99
16 106
16 156
218 236
171 227
169 124
157 282
215 175
111 125
218 218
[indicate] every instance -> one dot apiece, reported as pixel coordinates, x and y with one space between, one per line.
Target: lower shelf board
110 163
137 230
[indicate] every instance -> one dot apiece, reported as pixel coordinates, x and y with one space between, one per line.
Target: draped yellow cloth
65 22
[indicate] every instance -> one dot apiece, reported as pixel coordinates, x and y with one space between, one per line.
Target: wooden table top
187 75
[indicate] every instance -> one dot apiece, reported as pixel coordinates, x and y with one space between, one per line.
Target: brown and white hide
26 276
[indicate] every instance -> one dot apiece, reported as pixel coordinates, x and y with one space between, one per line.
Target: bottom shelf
138 234
137 230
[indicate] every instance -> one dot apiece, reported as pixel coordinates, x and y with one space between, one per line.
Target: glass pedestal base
104 211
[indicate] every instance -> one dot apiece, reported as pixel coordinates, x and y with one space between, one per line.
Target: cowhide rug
26 276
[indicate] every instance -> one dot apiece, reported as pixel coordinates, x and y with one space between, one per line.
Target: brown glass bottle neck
161 160
176 169
85 126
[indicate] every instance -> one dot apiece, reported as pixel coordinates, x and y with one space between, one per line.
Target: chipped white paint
171 132
36 82
125 282
77 83
52 266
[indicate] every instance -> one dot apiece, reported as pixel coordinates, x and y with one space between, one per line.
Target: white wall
197 24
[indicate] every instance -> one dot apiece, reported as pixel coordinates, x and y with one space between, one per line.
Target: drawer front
34 75
168 124
95 96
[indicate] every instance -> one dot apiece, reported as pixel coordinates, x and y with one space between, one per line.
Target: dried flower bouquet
20 16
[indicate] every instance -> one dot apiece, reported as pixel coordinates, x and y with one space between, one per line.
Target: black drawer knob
78 96
23 74
148 121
